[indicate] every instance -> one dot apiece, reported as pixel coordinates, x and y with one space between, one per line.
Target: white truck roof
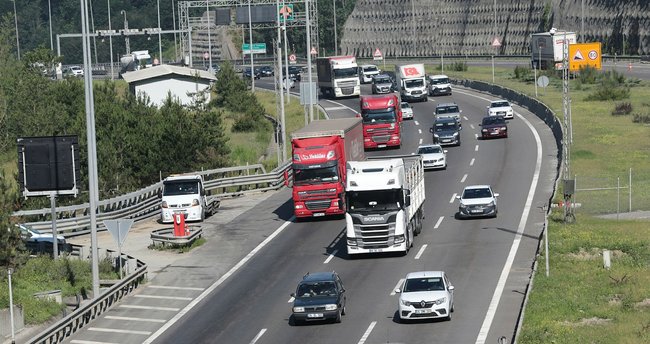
184 177
323 128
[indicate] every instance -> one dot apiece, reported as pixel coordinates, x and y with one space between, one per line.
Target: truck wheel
202 215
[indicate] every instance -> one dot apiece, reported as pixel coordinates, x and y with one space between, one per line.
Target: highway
235 288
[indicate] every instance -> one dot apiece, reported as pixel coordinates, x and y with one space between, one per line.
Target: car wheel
343 310
452 308
448 317
293 321
202 215
338 317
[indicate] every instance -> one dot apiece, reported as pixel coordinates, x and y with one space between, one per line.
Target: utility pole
110 40
126 34
282 121
309 77
569 184
250 38
286 54
336 44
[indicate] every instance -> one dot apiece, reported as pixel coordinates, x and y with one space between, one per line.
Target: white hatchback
407 110
477 201
426 295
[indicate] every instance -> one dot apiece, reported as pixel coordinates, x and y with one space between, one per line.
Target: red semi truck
382 120
320 153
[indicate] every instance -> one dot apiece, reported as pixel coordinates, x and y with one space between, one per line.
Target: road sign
496 42
542 81
206 55
286 11
292 58
308 93
118 229
584 54
258 48
377 55
313 51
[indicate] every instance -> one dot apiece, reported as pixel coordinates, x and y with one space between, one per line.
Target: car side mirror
342 290
292 294
358 115
496 195
460 111
451 288
431 130
398 290
457 197
487 106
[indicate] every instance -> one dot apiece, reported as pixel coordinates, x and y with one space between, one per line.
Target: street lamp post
49 11
495 36
160 59
16 21
126 34
110 39
336 44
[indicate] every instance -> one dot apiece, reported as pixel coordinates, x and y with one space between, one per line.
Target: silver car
477 201
433 156
407 110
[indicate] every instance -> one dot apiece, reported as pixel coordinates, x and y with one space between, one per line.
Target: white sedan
477 201
407 110
426 295
433 156
500 108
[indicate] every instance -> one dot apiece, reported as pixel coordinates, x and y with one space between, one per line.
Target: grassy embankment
581 302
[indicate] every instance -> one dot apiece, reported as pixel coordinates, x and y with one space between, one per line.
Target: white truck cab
439 85
366 72
184 194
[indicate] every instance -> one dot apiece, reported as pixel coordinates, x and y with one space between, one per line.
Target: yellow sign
584 54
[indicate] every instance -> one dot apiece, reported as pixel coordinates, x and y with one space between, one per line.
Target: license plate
422 311
319 214
314 315
495 133
376 250
446 140
381 146
477 211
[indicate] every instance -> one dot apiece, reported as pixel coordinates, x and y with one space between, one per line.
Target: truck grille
381 138
416 92
374 236
318 205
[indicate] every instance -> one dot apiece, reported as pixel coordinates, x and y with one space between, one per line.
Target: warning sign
584 54
377 55
496 42
292 58
313 51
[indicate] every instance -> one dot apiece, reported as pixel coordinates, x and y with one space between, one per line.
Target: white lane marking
462 180
453 197
398 285
77 341
476 148
420 141
471 162
419 131
117 330
335 108
438 222
291 299
151 308
424 247
342 105
416 122
498 291
331 256
476 136
175 288
259 335
135 319
471 126
367 333
216 284
164 297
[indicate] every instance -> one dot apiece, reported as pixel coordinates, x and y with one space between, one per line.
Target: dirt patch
595 321
615 300
644 303
594 253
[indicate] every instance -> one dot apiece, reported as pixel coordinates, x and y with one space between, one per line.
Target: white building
184 84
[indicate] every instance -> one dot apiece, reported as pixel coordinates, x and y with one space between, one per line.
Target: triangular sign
118 229
495 42
313 51
578 56
377 53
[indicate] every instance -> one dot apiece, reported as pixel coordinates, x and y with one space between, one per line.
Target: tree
11 244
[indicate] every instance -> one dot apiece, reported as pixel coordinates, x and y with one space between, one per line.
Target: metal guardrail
90 311
145 203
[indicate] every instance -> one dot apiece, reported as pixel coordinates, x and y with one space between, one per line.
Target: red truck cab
382 120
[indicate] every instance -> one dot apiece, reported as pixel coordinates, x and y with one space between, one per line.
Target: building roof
162 70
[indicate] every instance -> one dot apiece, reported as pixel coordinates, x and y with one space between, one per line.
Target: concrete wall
467 27
158 88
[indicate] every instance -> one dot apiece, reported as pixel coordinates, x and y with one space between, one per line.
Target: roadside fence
612 194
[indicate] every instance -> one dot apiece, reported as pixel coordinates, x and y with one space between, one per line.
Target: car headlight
455 134
195 202
440 301
352 241
491 204
298 309
330 307
164 204
299 206
436 135
399 239
405 302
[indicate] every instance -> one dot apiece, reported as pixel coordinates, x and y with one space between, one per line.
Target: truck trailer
547 48
338 76
320 153
382 120
384 204
411 82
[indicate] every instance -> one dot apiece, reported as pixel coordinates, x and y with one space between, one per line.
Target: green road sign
286 11
258 48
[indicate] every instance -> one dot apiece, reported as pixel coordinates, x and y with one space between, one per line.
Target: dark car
246 73
266 71
319 296
382 83
493 126
294 73
446 131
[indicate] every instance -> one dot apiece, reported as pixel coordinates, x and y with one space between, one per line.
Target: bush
459 67
643 118
523 73
588 75
624 108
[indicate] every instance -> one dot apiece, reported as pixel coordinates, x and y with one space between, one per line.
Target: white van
366 72
185 194
439 85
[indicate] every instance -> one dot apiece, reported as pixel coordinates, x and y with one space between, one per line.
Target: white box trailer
411 82
384 199
547 48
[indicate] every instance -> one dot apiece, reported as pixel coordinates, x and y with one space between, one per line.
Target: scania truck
382 121
384 204
320 153
411 82
338 76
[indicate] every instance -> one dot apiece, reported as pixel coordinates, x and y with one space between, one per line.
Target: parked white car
32 235
477 201
76 71
425 295
500 108
407 110
433 156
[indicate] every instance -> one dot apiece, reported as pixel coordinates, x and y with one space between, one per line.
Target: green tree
11 244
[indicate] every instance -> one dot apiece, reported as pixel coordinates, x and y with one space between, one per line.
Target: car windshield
445 126
379 116
500 104
405 105
429 150
477 193
447 109
423 284
176 188
370 69
494 120
439 81
386 200
413 83
384 80
316 289
345 73
315 175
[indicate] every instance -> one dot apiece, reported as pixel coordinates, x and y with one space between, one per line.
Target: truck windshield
413 83
176 188
379 116
376 200
315 175
345 73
